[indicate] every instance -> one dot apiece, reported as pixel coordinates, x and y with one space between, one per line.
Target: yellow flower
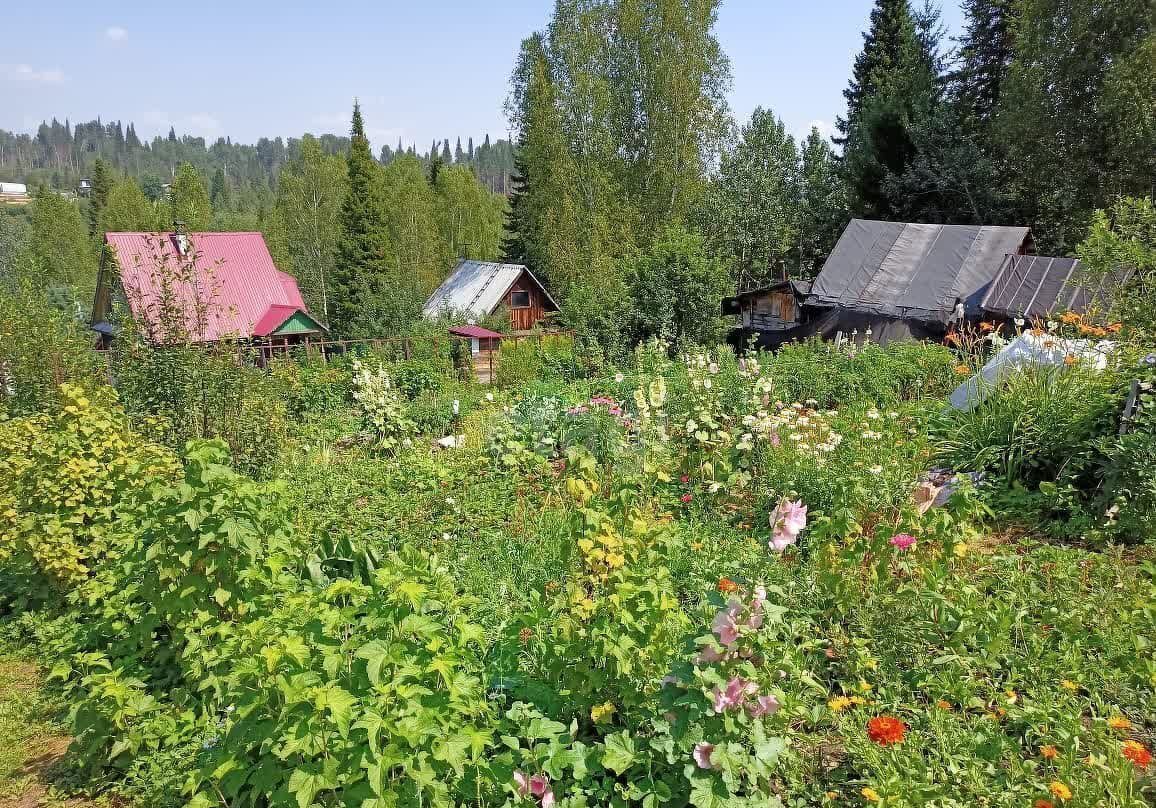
832 795
858 701
1059 790
960 549
839 703
1119 722
601 713
1069 685
1012 697
871 795
864 686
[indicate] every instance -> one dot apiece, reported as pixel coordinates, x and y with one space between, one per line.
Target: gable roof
916 271
233 279
279 314
475 288
1034 286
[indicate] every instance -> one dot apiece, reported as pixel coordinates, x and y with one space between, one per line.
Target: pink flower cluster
739 693
787 520
736 616
903 541
612 406
537 785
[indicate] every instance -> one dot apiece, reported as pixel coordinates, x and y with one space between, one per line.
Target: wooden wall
523 319
770 312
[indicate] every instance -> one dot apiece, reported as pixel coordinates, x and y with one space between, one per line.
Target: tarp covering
913 271
1035 286
1027 350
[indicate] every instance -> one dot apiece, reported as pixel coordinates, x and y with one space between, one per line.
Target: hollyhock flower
763 705
903 541
710 655
733 695
539 785
702 753
886 729
726 624
521 783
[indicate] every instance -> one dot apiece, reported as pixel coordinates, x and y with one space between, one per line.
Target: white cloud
826 129
31 74
115 33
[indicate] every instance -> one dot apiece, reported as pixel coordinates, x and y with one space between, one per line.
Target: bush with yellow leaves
63 476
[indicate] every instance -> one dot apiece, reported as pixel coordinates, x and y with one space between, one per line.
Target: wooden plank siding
526 291
770 312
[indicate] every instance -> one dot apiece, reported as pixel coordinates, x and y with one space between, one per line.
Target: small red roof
474 332
233 278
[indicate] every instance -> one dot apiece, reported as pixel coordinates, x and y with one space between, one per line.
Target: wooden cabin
476 289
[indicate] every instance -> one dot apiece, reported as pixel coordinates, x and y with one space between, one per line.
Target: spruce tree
219 190
985 54
514 249
359 257
98 197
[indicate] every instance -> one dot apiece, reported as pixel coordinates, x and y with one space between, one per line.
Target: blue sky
422 71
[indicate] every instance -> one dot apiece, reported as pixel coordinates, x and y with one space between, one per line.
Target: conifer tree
985 54
98 197
359 256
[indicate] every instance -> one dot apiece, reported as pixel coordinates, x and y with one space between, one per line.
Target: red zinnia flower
686 497
1137 753
886 729
684 479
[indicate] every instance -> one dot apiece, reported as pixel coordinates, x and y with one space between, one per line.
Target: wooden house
476 289
199 288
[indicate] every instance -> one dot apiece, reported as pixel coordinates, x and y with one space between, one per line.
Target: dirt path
31 741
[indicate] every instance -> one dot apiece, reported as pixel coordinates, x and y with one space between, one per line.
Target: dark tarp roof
913 271
1034 286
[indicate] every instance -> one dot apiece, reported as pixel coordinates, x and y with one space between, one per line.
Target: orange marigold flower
1070 317
1119 722
1042 803
1137 753
952 338
1114 328
943 704
1069 360
726 585
871 795
963 370
985 326
886 729
1049 752
1059 790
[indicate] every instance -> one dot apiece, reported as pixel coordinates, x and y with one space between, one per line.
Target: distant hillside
60 154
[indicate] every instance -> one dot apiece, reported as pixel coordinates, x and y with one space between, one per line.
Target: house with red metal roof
199 287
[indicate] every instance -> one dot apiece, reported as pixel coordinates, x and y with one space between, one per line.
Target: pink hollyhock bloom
702 753
733 696
726 624
904 541
787 520
521 783
709 654
763 705
756 618
539 785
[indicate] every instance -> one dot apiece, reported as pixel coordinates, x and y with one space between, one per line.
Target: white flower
876 469
456 407
713 368
691 426
445 537
706 383
619 378
490 397
873 413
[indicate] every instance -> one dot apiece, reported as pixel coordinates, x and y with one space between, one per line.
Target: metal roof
474 332
475 288
1033 286
916 271
233 278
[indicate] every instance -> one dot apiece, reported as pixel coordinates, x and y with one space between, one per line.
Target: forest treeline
631 188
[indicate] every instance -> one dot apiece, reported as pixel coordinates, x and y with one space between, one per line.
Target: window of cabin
519 300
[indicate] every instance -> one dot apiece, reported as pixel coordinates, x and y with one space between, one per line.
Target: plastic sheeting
1029 349
913 271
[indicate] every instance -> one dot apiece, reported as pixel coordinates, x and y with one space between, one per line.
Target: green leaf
619 752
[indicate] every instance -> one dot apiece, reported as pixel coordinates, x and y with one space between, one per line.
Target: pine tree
98 197
447 156
514 250
359 256
172 134
459 155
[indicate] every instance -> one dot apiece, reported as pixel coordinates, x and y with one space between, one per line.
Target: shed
1037 286
475 289
200 287
481 339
